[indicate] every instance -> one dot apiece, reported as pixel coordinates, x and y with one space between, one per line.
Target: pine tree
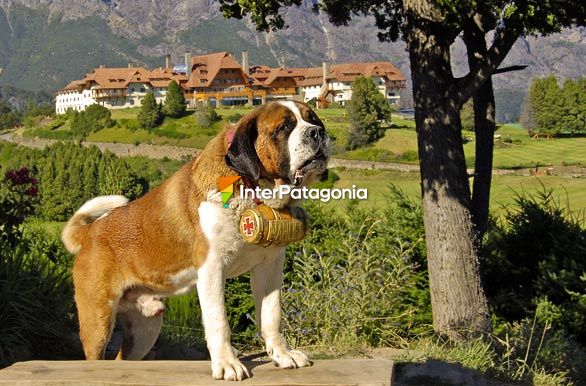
149 115
366 109
175 101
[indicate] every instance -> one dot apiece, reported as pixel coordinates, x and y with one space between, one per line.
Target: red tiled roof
347 72
205 68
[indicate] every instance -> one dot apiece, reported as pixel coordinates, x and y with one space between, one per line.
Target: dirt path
178 153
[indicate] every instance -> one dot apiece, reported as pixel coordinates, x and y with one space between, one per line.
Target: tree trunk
484 127
459 305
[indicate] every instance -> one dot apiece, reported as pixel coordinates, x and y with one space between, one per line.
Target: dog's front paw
289 359
229 369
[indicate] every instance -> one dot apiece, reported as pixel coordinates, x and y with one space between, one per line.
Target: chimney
325 66
245 63
168 61
129 65
188 63
102 66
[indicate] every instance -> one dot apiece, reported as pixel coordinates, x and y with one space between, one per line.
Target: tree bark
459 304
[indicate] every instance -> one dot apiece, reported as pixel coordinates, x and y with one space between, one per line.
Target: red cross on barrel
248 226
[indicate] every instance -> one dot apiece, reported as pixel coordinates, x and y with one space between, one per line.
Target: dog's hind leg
96 322
140 333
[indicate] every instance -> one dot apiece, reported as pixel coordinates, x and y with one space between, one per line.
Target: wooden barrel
270 227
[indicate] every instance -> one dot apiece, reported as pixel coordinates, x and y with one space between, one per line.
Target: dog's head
280 140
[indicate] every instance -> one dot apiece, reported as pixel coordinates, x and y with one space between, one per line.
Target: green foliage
508 104
367 108
554 110
69 175
182 323
18 197
355 280
8 118
92 119
206 116
175 104
150 115
233 118
538 255
35 287
467 116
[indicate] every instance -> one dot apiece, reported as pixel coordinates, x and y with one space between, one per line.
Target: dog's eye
288 125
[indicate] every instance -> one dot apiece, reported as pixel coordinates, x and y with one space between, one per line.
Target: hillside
45 43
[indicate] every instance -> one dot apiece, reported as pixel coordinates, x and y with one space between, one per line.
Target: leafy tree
551 109
175 104
451 213
573 118
92 119
366 109
149 115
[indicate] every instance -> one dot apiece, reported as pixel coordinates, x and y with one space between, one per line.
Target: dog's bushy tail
77 226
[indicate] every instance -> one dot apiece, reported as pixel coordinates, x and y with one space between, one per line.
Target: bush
35 287
92 119
206 116
69 175
233 118
538 254
356 280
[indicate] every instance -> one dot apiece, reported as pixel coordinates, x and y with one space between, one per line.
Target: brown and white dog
178 237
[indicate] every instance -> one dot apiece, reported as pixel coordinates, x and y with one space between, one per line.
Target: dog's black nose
316 133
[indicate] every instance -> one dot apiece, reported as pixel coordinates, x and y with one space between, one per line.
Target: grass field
514 149
569 191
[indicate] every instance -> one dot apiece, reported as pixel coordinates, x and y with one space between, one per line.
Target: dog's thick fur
178 237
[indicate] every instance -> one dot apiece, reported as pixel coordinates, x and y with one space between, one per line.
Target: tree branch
510 68
501 46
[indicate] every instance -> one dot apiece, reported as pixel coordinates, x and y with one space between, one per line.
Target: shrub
35 287
233 118
93 118
538 254
18 197
69 175
206 116
355 280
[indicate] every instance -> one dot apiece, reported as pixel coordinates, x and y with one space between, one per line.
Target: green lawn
566 190
513 149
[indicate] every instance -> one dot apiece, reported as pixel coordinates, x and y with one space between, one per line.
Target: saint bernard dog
179 237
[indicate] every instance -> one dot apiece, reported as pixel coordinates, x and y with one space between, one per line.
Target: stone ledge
344 372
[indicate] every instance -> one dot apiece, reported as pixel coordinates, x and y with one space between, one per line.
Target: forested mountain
46 43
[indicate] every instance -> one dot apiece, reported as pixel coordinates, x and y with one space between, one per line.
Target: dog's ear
241 156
